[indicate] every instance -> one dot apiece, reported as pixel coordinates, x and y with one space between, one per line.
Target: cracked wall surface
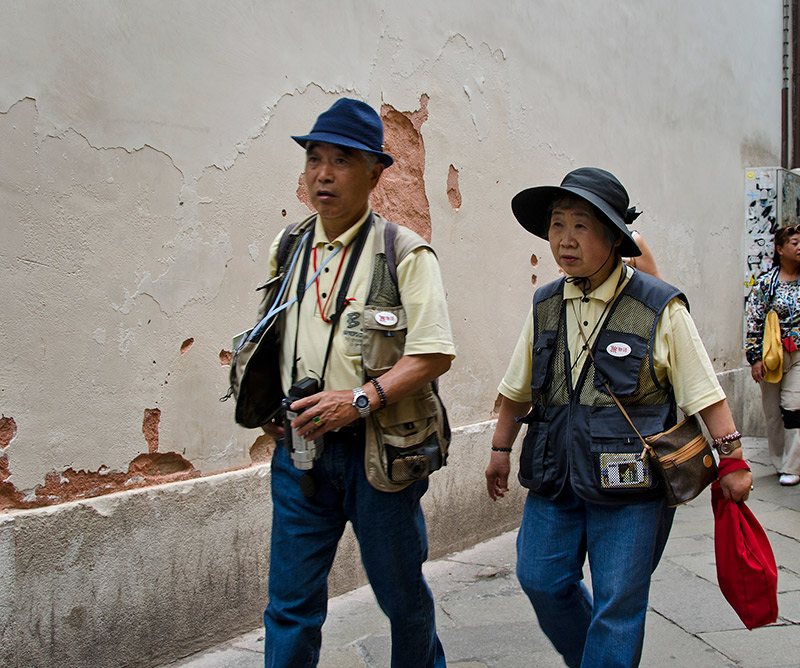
139 200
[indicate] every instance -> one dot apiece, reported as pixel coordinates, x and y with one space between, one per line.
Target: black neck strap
357 243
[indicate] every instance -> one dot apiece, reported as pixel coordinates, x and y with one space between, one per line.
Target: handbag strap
647 448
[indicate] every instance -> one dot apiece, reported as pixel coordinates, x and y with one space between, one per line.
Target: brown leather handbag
682 459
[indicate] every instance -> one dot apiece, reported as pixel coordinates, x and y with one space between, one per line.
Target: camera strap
357 244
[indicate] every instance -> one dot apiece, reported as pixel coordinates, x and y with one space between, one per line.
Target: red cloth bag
746 570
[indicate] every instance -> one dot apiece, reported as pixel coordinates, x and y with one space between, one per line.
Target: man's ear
375 173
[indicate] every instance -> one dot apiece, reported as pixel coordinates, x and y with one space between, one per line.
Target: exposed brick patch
8 494
8 430
453 192
152 418
262 449
144 471
186 345
162 465
400 194
225 357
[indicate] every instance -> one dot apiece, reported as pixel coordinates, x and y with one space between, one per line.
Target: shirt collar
605 291
344 239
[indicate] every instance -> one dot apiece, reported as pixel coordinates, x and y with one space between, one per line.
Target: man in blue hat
361 344
604 333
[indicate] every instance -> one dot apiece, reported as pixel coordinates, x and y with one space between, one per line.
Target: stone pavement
485 621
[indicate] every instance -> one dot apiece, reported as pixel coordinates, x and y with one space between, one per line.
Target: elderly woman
778 290
588 494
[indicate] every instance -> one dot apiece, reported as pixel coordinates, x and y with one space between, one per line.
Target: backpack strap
291 235
397 243
283 245
389 239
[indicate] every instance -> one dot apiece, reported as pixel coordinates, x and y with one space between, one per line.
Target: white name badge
618 349
385 318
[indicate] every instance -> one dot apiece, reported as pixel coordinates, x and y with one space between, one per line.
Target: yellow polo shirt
678 353
422 293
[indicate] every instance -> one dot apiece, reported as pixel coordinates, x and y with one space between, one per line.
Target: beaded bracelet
735 436
379 390
494 449
725 445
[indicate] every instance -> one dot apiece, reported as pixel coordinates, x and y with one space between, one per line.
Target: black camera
303 452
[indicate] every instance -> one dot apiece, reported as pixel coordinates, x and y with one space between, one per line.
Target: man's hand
322 412
497 474
757 371
736 485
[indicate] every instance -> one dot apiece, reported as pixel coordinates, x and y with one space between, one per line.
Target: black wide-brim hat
597 186
350 123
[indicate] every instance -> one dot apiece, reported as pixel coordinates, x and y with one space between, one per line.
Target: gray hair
370 158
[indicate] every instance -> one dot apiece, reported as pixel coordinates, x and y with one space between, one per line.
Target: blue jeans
305 532
624 544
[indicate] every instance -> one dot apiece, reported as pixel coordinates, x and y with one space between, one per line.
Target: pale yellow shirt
678 353
422 294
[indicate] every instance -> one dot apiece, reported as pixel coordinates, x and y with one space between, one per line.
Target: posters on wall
772 200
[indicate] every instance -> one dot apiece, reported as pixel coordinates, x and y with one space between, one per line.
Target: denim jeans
305 532
604 629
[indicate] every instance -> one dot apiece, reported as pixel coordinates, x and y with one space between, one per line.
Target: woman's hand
497 474
757 371
736 485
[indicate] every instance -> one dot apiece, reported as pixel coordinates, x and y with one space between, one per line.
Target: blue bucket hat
598 187
350 123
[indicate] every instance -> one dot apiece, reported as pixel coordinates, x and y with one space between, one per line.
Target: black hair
613 233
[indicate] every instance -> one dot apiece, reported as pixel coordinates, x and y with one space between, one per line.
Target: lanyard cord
323 308
341 299
258 330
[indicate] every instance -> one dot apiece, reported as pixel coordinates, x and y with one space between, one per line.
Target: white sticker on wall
618 349
385 318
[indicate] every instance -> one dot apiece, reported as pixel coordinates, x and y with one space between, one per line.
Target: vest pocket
532 458
384 338
541 354
616 450
410 438
618 360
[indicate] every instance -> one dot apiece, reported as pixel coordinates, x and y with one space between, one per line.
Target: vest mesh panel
383 291
628 315
548 318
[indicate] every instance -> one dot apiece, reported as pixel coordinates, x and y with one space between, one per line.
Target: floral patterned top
768 294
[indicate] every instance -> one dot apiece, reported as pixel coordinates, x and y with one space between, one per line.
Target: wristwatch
361 402
728 447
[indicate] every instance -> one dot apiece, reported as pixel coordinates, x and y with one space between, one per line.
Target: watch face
362 401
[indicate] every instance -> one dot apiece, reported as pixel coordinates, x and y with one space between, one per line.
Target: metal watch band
361 402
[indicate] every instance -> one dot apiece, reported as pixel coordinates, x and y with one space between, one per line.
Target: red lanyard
323 308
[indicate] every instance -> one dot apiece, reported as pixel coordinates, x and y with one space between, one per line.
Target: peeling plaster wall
148 165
